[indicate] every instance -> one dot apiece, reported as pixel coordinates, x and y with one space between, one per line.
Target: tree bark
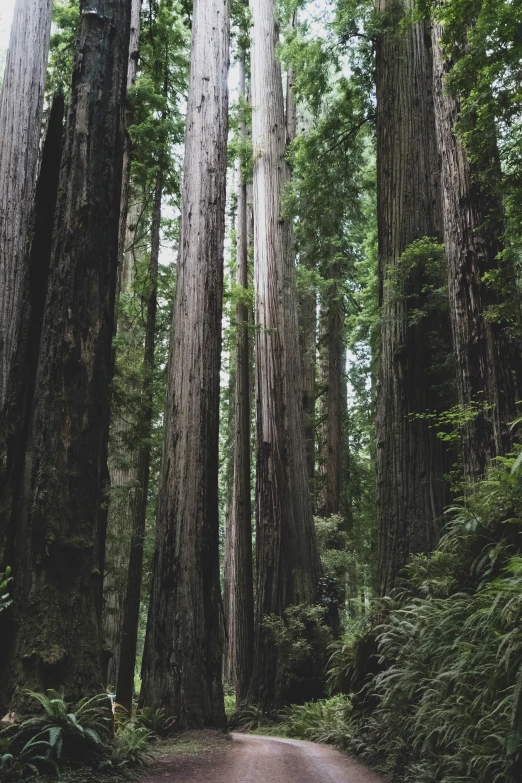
131 606
58 604
331 394
288 565
182 662
488 354
411 460
240 617
132 69
20 124
16 412
307 308
123 471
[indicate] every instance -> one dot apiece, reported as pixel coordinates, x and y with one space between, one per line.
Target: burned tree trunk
57 642
182 660
287 560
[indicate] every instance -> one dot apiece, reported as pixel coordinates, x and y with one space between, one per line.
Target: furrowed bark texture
123 472
488 354
288 566
59 547
182 662
20 124
307 310
333 405
240 610
132 68
410 461
131 606
308 350
16 412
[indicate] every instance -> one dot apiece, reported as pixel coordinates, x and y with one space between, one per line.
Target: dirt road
254 759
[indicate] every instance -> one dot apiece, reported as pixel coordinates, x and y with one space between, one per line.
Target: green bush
131 747
303 637
64 735
446 705
326 720
156 721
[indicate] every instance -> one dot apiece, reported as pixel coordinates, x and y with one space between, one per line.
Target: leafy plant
326 721
131 746
157 722
62 733
5 581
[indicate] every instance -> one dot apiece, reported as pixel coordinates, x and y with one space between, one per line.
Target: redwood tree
287 560
20 125
488 352
59 538
183 650
239 576
411 460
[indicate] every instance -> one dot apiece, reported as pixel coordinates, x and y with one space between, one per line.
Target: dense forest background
260 373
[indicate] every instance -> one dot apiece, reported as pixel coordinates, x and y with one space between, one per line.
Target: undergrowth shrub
303 637
69 736
446 706
327 720
435 675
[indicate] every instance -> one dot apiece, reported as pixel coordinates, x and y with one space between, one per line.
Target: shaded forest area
260 380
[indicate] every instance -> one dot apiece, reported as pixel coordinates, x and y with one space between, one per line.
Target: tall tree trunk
411 460
131 606
123 472
132 68
20 124
240 615
308 351
58 636
488 355
182 661
332 401
288 565
16 412
307 307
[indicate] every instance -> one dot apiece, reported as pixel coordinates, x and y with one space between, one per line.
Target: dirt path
254 759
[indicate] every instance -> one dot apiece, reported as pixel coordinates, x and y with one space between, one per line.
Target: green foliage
302 636
436 675
156 721
61 733
327 721
131 747
66 18
424 259
5 587
65 736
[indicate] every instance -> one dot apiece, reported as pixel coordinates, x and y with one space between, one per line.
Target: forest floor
210 757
